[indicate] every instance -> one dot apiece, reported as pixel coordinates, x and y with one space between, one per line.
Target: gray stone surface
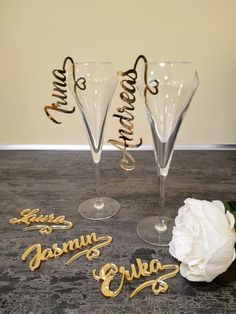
58 182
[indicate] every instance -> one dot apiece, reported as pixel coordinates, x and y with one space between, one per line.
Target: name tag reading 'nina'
88 245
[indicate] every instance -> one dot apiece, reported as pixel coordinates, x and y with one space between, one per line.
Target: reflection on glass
177 83
93 85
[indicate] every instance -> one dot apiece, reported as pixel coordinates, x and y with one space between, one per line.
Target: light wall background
36 35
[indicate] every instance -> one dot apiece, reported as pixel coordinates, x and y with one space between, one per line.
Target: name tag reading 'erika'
88 245
112 273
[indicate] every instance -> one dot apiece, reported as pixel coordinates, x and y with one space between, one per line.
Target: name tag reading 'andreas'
84 242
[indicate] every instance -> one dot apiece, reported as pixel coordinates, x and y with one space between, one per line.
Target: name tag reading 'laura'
34 220
83 245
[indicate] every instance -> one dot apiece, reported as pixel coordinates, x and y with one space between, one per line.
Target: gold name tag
143 269
44 223
40 255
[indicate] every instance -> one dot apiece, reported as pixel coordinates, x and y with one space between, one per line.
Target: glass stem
161 226
98 203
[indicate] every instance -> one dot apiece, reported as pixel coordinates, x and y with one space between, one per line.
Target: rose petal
230 219
203 239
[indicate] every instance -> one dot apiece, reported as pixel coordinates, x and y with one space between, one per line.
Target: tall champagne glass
93 85
175 83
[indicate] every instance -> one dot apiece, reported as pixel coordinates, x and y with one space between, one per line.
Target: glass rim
170 62
94 62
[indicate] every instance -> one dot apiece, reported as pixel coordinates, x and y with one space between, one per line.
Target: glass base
147 230
109 209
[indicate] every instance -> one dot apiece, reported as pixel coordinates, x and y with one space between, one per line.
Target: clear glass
177 83
93 85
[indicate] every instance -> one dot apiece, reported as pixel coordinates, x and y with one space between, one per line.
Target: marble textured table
58 182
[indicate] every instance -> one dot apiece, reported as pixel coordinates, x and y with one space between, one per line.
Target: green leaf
231 206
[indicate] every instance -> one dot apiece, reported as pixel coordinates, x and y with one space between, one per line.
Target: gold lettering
143 268
155 266
107 274
60 91
41 218
30 216
110 270
46 254
158 285
36 260
94 251
70 246
128 97
57 251
127 161
58 220
129 125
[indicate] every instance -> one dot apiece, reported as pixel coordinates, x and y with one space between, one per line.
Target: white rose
203 239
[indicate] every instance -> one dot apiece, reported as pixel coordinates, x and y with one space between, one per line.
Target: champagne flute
93 85
175 83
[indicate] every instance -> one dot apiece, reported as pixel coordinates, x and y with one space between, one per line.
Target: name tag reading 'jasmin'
41 255
109 271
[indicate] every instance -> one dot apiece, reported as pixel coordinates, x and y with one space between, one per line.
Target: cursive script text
60 91
33 216
143 269
125 113
41 255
